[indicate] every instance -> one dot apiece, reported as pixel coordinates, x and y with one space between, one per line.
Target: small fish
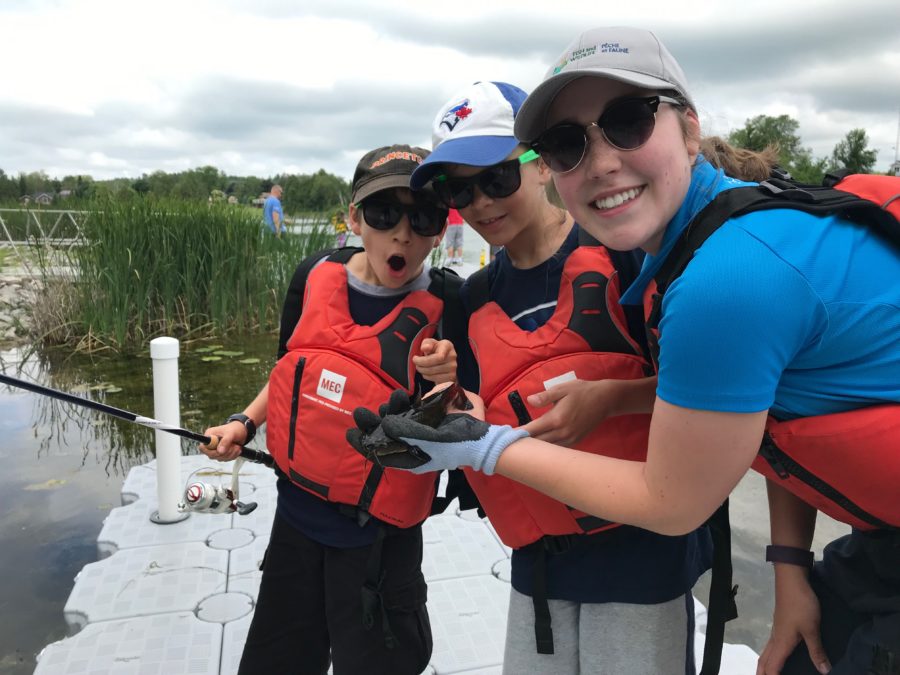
392 454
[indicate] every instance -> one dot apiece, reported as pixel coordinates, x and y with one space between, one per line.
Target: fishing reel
201 497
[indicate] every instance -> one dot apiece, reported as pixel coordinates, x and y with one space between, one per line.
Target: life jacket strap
372 596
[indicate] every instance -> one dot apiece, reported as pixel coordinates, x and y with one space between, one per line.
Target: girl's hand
797 617
437 362
578 407
225 441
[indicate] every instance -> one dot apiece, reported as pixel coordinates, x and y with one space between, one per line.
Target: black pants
310 607
858 587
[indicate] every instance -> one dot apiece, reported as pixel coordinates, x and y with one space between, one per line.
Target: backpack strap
775 193
722 607
478 286
445 284
342 255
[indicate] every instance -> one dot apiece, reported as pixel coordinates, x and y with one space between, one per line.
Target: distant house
64 194
260 201
42 198
895 169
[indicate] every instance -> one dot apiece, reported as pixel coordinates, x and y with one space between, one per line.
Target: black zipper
295 404
786 468
518 407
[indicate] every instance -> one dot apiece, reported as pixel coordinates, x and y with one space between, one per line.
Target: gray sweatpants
603 639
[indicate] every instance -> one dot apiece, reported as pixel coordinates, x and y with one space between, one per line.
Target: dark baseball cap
385 168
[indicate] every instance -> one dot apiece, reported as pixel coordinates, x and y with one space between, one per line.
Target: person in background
342 582
341 231
273 214
453 239
781 325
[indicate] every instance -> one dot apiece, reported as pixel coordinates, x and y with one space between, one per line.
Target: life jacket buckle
555 544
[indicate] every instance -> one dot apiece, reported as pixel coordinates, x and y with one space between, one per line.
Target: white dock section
178 598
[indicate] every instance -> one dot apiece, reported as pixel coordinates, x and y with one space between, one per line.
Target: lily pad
252 359
211 358
204 350
191 413
223 352
113 389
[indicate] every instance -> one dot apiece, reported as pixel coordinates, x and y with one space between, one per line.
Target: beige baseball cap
631 55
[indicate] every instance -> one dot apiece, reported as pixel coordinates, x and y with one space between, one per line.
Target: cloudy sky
120 88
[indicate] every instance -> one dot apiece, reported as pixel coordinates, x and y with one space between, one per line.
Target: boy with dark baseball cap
342 580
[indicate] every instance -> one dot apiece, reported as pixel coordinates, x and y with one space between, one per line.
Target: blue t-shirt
316 518
625 564
779 310
272 205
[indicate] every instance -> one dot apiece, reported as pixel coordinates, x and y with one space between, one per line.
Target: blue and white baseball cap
474 127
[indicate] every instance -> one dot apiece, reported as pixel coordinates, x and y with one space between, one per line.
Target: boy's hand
578 407
228 436
437 362
797 617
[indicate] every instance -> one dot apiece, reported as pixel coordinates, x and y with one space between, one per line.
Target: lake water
63 467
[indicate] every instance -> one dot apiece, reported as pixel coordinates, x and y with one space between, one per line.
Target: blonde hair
737 162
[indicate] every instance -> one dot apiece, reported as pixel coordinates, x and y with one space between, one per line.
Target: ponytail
739 163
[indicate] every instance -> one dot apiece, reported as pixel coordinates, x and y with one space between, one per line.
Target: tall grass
151 266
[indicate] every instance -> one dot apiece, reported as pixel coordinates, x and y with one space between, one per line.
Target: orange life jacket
846 464
586 338
332 366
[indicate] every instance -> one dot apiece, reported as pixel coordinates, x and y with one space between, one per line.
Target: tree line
322 191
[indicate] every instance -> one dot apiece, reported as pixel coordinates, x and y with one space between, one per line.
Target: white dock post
164 352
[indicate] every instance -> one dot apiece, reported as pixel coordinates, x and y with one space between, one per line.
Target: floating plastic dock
178 598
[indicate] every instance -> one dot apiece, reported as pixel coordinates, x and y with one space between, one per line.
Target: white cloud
118 88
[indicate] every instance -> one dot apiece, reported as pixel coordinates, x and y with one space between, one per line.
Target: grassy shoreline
151 267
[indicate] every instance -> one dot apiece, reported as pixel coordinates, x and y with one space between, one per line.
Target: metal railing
54 228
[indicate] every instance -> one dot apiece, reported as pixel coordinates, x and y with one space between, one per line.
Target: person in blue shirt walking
273 215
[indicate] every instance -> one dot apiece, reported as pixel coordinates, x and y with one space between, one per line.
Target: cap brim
532 118
472 151
400 180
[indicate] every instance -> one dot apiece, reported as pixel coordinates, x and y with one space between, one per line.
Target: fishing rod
249 454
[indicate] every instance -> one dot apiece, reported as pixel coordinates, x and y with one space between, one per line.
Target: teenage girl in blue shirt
778 311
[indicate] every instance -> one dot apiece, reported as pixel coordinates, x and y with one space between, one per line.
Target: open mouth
397 263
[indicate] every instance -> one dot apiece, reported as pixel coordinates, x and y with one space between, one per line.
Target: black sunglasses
626 125
426 220
497 181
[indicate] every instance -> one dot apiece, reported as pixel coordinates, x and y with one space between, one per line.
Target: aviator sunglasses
626 125
496 182
426 220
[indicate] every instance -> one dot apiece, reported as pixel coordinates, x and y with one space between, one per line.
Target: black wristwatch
249 425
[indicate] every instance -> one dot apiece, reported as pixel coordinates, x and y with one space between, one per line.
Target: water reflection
63 466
